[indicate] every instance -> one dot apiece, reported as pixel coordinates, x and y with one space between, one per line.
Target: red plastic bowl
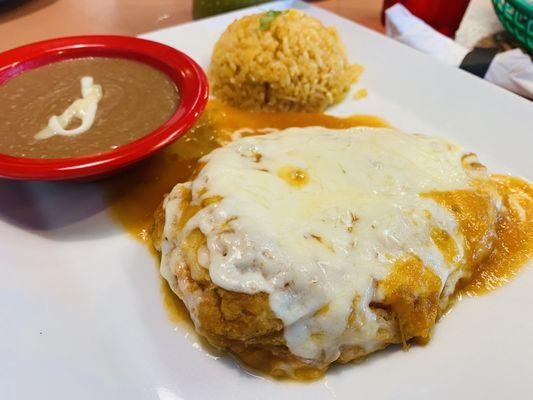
182 70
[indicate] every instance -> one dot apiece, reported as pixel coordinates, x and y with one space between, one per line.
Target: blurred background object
443 15
7 4
26 21
206 8
476 23
479 22
511 69
36 20
517 17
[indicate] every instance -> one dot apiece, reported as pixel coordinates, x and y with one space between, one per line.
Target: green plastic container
517 17
206 8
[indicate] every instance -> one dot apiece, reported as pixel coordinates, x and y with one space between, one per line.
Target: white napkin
512 69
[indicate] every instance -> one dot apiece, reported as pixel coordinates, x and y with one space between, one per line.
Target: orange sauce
360 94
134 195
416 316
514 245
229 119
445 243
496 246
176 310
472 210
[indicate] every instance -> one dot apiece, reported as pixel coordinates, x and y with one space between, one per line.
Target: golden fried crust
239 322
222 313
237 316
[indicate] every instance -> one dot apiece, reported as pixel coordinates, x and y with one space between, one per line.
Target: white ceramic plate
81 314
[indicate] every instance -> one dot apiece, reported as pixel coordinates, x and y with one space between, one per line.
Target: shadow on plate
58 211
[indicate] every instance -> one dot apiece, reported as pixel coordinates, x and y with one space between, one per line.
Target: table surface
43 19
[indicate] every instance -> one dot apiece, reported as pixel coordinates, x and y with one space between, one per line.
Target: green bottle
205 8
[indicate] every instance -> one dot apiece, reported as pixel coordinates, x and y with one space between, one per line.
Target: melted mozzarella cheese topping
316 218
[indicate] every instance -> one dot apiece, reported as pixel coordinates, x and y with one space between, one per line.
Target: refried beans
137 99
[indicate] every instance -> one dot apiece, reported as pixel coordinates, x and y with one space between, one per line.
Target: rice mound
291 63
